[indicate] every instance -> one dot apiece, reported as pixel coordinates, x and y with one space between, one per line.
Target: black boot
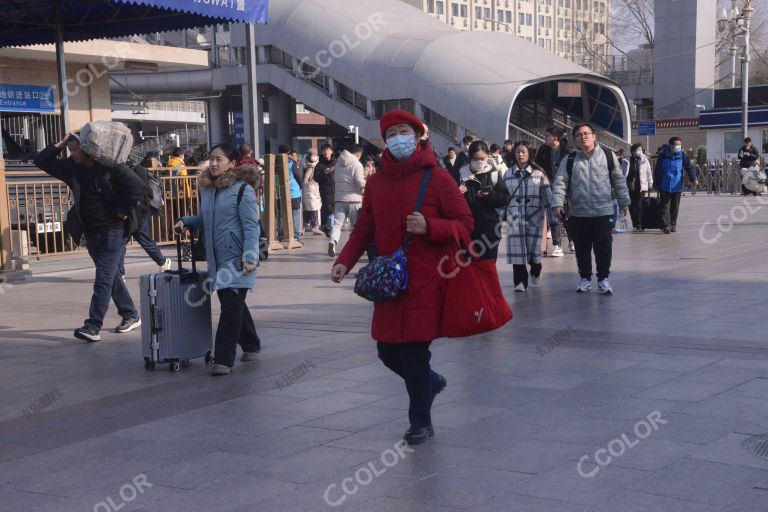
418 435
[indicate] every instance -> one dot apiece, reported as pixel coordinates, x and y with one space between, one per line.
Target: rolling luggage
652 211
177 317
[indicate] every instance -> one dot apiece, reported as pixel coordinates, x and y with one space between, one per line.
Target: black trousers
520 273
235 327
636 208
411 362
670 207
592 234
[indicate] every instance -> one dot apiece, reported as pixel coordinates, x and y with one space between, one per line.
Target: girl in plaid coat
531 199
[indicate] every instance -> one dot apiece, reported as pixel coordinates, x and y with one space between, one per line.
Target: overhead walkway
354 61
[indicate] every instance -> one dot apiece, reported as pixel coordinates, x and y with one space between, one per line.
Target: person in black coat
325 178
450 161
548 157
462 159
105 210
748 157
485 191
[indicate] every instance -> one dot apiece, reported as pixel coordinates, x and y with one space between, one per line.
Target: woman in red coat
405 327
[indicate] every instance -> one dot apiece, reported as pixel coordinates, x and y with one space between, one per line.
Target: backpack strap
609 158
569 167
240 194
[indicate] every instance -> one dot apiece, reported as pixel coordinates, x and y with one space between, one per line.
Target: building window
431 6
478 13
440 7
509 17
529 20
549 44
541 43
549 22
455 10
464 13
541 21
487 14
522 18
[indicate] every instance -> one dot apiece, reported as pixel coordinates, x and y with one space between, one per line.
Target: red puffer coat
390 196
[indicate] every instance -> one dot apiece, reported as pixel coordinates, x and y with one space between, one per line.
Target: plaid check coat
530 200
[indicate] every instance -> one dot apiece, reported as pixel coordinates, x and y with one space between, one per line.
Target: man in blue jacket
668 176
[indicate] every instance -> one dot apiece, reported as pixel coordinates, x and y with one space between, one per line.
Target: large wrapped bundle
753 179
107 142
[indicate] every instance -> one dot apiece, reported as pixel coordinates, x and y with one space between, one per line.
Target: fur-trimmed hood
239 173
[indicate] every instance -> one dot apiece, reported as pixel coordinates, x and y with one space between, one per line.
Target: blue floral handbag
386 277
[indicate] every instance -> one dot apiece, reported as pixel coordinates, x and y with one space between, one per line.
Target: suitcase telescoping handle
179 255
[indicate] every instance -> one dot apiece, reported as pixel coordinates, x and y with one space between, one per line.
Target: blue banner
26 98
646 128
238 129
247 11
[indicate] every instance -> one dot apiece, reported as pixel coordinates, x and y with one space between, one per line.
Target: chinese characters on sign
26 98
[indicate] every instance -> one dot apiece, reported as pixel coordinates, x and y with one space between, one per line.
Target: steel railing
38 213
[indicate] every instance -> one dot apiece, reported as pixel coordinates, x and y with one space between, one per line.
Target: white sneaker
535 280
520 287
166 266
584 285
604 287
549 235
557 252
572 247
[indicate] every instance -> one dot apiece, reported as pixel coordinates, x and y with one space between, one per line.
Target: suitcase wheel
208 358
174 367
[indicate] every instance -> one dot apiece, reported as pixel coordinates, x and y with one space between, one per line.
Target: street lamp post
739 25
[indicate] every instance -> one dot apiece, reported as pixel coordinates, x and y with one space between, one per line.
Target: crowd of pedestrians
407 207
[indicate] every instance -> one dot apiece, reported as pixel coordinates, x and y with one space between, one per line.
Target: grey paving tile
685 391
564 483
632 501
704 482
512 501
285 442
463 487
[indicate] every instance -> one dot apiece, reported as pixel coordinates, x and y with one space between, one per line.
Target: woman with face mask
405 327
639 173
310 194
229 222
483 187
531 199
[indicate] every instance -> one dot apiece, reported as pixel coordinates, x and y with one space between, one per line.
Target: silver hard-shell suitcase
177 317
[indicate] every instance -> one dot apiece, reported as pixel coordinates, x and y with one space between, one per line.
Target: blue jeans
148 244
107 249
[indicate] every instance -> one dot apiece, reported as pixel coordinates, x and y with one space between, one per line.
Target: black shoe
441 383
666 231
128 324
331 248
418 435
674 230
87 333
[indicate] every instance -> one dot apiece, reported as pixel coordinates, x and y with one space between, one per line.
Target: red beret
396 117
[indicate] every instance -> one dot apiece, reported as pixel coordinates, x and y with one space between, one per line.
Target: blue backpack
386 277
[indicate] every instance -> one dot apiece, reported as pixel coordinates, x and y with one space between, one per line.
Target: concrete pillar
282 114
683 81
218 125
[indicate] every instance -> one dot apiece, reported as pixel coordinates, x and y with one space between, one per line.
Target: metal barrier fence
38 212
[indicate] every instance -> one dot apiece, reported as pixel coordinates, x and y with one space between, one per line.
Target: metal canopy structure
30 22
27 22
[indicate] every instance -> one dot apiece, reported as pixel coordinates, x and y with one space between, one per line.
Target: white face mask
401 146
479 165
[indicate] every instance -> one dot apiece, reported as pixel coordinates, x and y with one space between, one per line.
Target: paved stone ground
683 338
